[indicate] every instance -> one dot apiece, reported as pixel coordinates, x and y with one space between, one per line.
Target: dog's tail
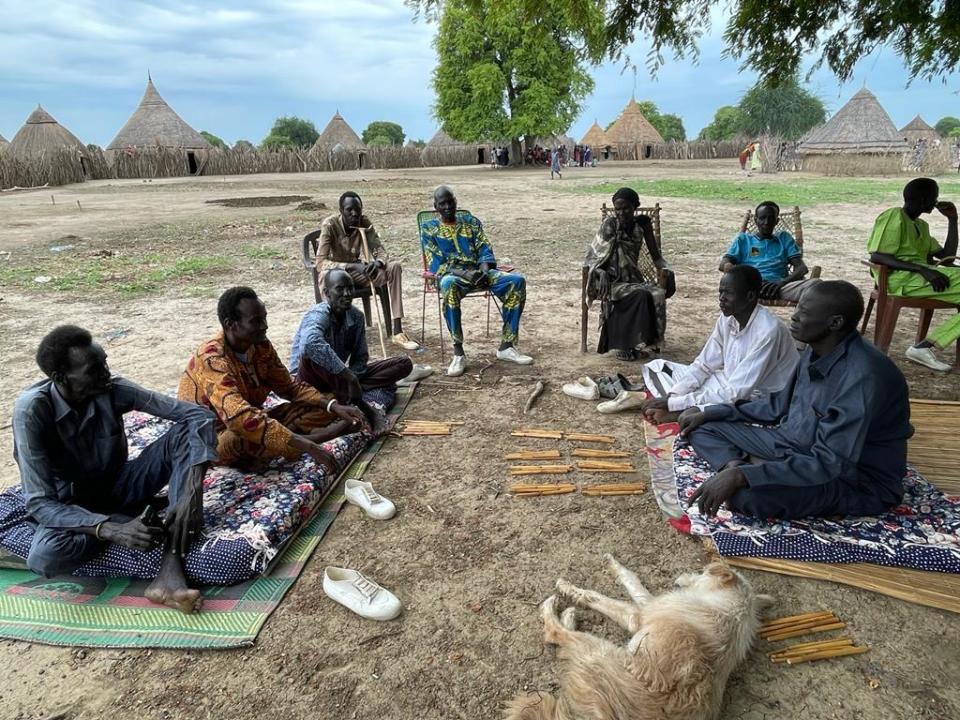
531 706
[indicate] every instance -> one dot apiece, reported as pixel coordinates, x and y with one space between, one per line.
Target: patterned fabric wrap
510 288
247 517
922 533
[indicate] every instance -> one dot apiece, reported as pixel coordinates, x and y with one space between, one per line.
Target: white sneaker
457 366
359 594
584 389
925 356
511 354
418 373
403 341
363 495
625 400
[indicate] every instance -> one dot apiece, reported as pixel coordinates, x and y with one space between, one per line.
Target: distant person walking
555 164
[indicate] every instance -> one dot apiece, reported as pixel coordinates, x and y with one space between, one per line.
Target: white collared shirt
742 362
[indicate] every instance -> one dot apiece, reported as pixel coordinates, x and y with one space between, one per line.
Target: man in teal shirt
901 241
774 253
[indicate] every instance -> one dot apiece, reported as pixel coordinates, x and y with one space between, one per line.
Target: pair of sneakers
510 354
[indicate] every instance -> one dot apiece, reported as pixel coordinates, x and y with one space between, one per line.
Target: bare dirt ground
469 562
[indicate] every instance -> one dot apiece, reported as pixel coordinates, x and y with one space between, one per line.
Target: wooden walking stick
376 300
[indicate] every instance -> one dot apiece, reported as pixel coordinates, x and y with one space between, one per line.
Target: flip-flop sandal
627 385
627 355
609 386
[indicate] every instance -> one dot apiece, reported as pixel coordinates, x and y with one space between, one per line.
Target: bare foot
170 587
659 417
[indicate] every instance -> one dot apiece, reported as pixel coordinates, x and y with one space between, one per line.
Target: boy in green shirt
901 241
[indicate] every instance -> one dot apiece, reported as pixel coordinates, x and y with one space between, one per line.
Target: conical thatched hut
3 142
42 134
860 139
442 149
442 139
154 125
918 129
342 146
595 139
632 136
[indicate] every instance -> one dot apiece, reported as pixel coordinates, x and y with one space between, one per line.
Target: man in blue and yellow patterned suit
463 261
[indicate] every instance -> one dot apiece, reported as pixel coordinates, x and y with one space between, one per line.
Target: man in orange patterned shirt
233 373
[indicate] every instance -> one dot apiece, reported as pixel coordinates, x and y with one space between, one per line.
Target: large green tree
727 123
498 79
392 132
771 37
213 139
291 131
946 125
787 110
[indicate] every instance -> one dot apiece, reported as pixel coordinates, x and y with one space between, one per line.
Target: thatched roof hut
3 141
918 129
860 139
595 137
631 127
154 123
338 132
442 139
41 134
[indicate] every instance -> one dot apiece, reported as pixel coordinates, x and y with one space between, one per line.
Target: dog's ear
721 572
764 601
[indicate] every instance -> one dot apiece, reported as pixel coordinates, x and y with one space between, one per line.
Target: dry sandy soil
470 562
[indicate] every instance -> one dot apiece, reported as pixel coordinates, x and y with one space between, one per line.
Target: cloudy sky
232 67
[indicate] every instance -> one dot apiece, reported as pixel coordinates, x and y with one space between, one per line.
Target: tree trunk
516 152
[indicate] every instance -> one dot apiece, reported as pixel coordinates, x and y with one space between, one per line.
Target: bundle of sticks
533 455
796 625
540 469
613 489
428 427
525 490
589 437
536 433
592 453
561 435
605 466
821 650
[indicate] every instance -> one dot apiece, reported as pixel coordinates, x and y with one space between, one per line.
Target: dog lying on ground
683 646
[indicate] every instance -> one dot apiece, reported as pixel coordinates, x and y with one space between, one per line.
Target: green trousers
947 332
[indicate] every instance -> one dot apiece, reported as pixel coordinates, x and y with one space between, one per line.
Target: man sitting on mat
234 372
80 487
329 350
901 241
750 353
341 248
463 261
775 254
832 442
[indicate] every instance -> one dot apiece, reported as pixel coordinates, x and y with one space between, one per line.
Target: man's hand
690 419
352 382
353 417
185 521
370 269
716 490
603 283
938 280
770 289
649 407
947 209
133 534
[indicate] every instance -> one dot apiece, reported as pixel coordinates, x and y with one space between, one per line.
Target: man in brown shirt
341 247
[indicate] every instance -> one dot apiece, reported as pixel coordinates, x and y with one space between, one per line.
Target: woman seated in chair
630 278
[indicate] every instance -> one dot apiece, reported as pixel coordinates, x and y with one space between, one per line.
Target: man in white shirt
749 353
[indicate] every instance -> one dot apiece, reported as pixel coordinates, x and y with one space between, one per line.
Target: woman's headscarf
628 194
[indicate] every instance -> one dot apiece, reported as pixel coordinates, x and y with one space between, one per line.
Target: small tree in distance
290 131
380 130
213 139
947 125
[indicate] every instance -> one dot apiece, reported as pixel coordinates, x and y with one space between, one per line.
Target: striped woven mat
112 612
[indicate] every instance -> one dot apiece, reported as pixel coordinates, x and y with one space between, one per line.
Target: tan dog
684 646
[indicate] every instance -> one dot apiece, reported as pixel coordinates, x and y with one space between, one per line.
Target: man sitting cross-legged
460 256
775 254
341 247
329 350
832 442
750 353
234 372
901 241
80 487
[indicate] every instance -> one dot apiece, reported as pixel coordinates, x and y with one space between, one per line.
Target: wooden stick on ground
534 394
538 433
775 629
533 455
592 453
804 631
827 654
606 465
589 437
540 469
796 618
524 490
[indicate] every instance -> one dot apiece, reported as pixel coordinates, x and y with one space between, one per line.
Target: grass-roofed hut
340 145
45 152
442 149
918 129
596 139
631 136
3 142
156 142
860 139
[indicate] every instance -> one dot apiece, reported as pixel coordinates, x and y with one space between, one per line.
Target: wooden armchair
889 306
791 222
648 268
310 242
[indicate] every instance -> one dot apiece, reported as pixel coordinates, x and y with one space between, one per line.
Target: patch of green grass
262 253
184 267
805 192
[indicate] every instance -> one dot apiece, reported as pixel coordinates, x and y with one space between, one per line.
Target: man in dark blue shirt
832 442
79 485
